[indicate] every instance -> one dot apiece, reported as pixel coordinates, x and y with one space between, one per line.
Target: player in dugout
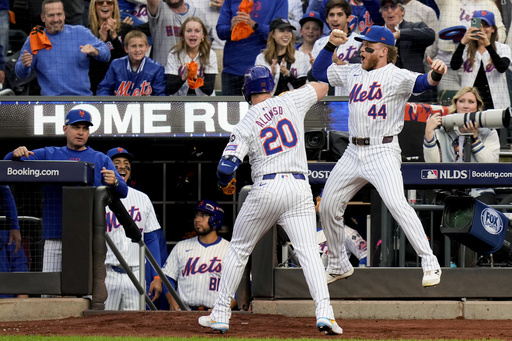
195 264
122 294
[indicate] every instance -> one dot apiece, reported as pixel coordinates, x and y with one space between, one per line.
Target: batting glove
230 188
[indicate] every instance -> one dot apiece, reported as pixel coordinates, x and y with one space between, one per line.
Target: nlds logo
434 174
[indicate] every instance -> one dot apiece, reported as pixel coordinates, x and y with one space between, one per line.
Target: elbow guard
227 166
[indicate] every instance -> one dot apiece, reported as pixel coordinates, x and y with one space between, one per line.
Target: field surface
247 325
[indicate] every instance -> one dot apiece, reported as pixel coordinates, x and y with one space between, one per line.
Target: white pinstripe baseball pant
379 165
288 202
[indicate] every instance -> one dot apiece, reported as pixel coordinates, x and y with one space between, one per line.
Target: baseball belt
272 176
121 270
365 141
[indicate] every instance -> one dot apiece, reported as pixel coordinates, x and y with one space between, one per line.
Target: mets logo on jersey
429 174
194 266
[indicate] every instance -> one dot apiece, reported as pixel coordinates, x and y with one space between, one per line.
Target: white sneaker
330 327
207 322
334 277
431 278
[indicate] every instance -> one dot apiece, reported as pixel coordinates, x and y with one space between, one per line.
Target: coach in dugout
59 51
76 129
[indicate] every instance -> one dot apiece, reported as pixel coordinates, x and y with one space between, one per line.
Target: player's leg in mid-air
343 183
384 172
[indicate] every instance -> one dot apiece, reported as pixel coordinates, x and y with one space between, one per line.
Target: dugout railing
83 234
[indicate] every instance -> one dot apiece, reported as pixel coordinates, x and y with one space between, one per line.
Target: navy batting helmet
212 208
257 79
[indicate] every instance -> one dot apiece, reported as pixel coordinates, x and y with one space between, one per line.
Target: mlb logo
429 174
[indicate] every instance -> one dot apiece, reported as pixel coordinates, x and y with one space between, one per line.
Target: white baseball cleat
330 327
431 278
207 322
334 277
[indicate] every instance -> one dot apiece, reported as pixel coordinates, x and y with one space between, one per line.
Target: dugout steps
31 309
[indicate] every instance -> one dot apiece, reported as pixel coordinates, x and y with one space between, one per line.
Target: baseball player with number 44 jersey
272 135
378 93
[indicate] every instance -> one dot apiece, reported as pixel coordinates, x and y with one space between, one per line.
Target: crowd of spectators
236 35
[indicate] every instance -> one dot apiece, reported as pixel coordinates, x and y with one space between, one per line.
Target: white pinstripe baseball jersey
348 53
271 134
376 104
197 268
141 210
377 98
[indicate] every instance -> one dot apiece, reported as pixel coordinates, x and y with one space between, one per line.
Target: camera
493 118
316 142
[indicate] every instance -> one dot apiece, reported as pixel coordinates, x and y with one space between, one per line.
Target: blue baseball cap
311 16
487 16
119 152
78 115
378 34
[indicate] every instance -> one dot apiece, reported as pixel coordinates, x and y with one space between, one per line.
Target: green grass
131 338
119 338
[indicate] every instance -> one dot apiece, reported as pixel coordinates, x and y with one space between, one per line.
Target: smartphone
476 22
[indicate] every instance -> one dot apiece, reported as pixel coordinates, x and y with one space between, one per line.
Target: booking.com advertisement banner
419 174
153 117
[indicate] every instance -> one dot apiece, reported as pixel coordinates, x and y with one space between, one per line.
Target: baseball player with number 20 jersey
122 293
378 93
272 135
